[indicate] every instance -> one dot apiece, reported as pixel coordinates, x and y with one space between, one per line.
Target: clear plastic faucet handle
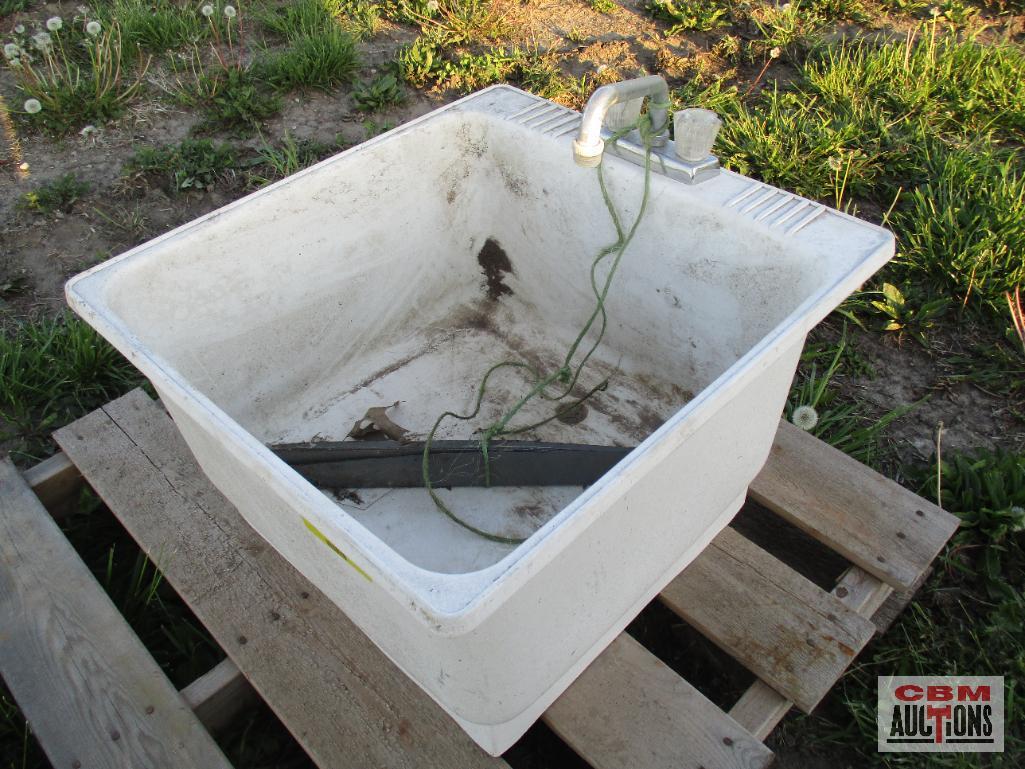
695 129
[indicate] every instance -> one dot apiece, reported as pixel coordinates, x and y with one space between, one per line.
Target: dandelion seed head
805 417
42 41
11 50
93 28
433 6
19 29
207 10
32 106
776 52
54 23
83 10
88 131
835 163
785 7
934 11
230 12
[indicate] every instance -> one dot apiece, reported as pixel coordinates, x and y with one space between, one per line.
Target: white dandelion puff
11 50
776 52
19 29
207 10
83 10
229 11
54 23
42 41
805 417
433 6
93 28
32 106
88 131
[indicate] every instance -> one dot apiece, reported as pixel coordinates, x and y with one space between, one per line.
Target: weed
790 27
155 25
462 22
72 76
58 195
53 371
417 61
290 156
372 129
604 6
381 92
905 318
317 60
838 423
195 164
541 75
235 99
689 15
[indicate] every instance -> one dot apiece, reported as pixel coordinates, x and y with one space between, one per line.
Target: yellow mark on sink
320 535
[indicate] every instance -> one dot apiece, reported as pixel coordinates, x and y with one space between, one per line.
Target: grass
194 164
923 134
52 371
156 25
924 127
58 195
319 59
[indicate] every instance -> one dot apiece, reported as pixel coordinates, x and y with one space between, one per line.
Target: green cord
566 374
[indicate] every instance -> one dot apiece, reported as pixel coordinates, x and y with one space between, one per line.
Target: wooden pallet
94 696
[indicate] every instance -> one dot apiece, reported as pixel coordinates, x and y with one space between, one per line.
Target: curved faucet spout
589 146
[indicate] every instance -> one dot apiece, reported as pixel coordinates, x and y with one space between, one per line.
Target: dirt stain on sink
496 265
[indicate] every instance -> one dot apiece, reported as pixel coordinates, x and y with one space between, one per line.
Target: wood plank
628 709
57 482
300 652
761 707
779 625
91 692
871 520
219 695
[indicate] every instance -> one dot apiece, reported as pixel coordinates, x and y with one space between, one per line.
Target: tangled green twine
567 374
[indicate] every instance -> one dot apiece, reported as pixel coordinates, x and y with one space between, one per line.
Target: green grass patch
317 60
275 162
7 7
156 25
57 195
918 129
195 164
53 371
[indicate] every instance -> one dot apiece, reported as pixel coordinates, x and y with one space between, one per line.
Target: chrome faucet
614 108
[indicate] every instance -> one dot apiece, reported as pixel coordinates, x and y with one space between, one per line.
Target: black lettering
896 724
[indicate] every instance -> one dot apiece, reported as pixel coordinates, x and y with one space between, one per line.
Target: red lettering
940 693
937 715
908 693
968 694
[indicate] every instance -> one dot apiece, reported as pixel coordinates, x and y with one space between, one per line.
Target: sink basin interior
402 273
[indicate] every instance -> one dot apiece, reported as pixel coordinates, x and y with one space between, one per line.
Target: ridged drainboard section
548 118
776 208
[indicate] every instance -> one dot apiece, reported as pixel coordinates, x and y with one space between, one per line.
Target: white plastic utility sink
402 269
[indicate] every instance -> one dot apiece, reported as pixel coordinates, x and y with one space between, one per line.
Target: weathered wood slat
92 693
761 707
629 710
219 695
56 481
780 626
869 519
304 656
